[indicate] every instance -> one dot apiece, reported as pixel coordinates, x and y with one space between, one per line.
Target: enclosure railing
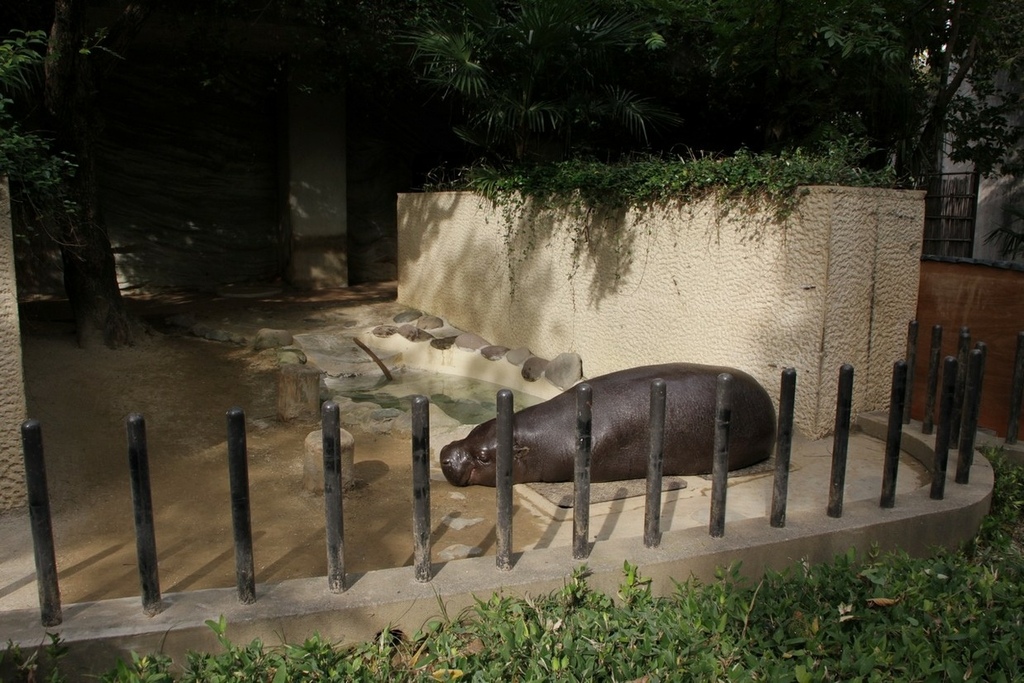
958 401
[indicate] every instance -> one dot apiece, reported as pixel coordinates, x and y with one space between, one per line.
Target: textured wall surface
12 394
836 284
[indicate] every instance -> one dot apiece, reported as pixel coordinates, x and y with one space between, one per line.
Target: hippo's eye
486 455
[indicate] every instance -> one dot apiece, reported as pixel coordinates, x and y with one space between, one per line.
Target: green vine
591 196
762 180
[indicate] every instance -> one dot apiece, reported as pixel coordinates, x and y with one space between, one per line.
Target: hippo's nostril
455 465
450 456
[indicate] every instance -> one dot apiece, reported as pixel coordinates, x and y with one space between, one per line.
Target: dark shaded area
188 174
191 127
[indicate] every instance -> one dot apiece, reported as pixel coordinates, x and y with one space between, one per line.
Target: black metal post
934 354
1016 392
840 441
720 463
45 554
142 500
655 465
890 468
911 360
330 427
241 518
983 347
972 405
421 487
503 480
949 373
955 417
783 447
581 479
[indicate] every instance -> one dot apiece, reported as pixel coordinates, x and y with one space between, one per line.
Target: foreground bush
892 618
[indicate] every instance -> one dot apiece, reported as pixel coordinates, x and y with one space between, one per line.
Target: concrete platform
98 632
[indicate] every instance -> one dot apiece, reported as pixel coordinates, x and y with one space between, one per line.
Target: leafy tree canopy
25 155
537 78
911 77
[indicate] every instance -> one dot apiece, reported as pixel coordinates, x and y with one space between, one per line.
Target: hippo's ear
520 451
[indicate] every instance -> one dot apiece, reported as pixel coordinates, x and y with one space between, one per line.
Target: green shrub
889 618
745 178
1001 527
25 156
39 664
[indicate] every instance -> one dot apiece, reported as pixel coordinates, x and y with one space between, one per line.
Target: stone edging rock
416 327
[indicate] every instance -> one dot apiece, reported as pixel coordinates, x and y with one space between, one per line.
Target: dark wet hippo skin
544 435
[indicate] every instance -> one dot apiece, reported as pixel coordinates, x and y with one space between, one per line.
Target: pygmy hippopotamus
544 435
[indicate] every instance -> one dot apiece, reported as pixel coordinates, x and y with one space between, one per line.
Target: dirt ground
183 386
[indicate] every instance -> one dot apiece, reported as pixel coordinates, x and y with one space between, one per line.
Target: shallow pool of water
470 401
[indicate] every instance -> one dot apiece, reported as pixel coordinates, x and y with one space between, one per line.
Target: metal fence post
655 465
934 357
421 487
949 373
890 468
972 404
720 464
783 447
330 429
840 441
503 480
142 499
241 517
45 554
955 417
581 479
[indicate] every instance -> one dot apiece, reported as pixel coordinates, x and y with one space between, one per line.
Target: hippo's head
471 460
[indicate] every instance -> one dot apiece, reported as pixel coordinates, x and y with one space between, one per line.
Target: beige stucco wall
836 284
12 386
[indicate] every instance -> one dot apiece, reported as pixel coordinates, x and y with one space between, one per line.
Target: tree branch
123 31
963 68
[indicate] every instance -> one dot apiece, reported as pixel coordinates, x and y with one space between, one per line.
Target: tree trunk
950 67
90 276
298 392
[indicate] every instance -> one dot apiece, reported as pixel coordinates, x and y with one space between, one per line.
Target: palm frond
545 26
485 179
506 115
448 60
483 13
21 60
1009 238
472 136
613 30
637 114
542 116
